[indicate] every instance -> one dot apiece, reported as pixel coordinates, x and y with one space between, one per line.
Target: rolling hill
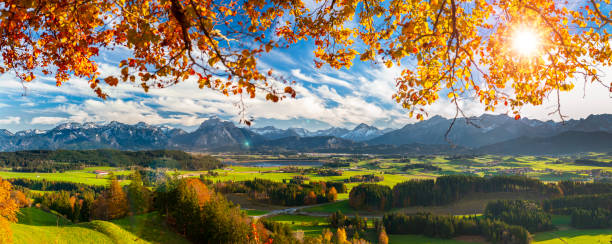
38 226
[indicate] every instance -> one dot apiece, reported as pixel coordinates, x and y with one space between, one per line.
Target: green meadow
38 226
85 176
310 225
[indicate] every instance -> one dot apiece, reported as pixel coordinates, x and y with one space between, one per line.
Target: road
295 210
291 210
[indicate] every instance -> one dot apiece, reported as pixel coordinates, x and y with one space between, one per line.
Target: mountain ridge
485 133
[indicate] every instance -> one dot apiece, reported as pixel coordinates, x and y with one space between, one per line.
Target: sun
525 42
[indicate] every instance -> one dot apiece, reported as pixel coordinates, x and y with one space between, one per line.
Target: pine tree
138 196
86 206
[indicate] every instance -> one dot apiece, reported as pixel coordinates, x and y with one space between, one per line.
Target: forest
451 188
450 226
62 160
285 193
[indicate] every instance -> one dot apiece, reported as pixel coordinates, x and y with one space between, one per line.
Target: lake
274 163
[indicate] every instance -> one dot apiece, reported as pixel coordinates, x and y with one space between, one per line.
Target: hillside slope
37 226
564 143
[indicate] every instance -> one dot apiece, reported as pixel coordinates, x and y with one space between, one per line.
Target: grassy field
37 226
603 236
79 176
342 206
566 234
253 212
544 168
312 226
401 239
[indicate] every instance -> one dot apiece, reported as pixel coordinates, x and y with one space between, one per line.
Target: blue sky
326 97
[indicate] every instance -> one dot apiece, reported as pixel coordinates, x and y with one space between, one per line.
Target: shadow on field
38 217
149 227
584 235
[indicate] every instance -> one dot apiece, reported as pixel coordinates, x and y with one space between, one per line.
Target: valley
346 169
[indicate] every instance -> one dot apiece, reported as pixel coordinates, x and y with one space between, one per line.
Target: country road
291 210
295 211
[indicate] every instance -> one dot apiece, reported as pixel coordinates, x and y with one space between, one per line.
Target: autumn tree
506 53
20 199
327 236
311 198
8 212
340 236
112 204
382 237
200 190
117 201
201 215
332 194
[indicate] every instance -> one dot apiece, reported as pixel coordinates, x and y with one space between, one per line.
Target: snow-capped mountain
272 133
362 132
90 135
217 135
487 129
333 131
214 134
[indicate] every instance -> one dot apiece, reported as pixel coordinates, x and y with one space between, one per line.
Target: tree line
586 211
365 178
451 188
59 160
46 185
565 204
429 167
286 193
451 226
82 204
528 214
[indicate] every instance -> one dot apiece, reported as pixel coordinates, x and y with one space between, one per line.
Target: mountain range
483 134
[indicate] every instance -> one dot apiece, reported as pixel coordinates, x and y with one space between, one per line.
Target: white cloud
331 80
128 112
44 120
298 74
59 99
320 79
10 120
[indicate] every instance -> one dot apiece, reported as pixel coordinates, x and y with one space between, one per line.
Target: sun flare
525 42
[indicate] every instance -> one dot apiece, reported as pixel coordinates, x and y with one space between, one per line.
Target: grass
253 212
566 234
343 206
311 225
561 220
37 226
574 236
79 176
401 239
150 228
